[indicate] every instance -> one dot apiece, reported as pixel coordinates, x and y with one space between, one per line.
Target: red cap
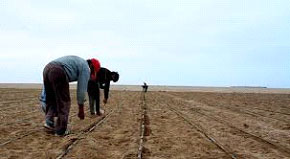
96 64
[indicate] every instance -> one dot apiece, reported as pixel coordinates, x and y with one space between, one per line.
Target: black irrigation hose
73 142
253 136
20 112
25 119
284 107
142 127
20 136
11 107
17 121
200 130
247 111
264 116
92 127
266 110
14 93
19 100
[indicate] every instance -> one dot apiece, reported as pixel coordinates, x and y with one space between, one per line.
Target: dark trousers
145 88
94 100
58 99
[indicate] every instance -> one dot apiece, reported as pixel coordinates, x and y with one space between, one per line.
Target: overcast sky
162 42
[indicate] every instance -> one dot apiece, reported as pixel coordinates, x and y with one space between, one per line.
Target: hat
96 64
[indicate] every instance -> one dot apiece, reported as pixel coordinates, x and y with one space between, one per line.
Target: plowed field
152 125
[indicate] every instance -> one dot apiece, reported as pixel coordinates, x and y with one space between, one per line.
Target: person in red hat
56 77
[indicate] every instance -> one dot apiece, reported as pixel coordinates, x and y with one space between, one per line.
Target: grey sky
176 42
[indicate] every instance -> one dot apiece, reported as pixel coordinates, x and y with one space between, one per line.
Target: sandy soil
205 124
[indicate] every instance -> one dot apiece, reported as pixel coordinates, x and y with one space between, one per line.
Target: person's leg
42 100
51 108
97 99
92 104
60 87
50 111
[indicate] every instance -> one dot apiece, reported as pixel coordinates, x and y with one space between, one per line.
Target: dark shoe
65 133
49 125
93 115
101 112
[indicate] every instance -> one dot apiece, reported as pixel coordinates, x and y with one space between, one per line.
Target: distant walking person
145 87
56 76
103 80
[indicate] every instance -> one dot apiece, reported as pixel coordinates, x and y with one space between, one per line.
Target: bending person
103 80
56 76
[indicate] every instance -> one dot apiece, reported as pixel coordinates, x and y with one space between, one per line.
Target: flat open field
205 123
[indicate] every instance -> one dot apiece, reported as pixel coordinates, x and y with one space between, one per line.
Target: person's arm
81 90
81 113
106 91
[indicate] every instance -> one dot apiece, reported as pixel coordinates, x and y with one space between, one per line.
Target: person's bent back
57 75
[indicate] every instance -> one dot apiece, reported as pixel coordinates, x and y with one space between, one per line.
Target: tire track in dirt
27 129
17 127
249 105
31 134
173 137
15 114
285 151
13 106
277 112
20 136
42 141
74 141
268 129
12 109
277 120
197 127
11 97
252 113
119 137
249 112
237 131
144 127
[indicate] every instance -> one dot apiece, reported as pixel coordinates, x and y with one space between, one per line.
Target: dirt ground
155 125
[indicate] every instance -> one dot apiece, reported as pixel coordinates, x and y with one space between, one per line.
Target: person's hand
81 113
105 101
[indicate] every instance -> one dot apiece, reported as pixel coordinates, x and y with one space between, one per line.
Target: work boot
49 124
62 133
93 113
